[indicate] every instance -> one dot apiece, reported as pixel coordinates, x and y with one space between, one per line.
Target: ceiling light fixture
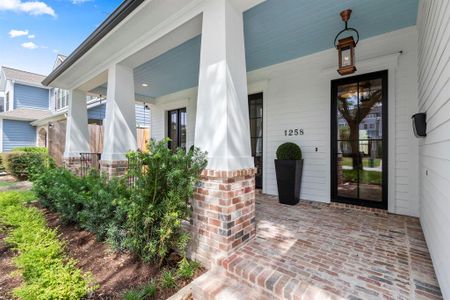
346 46
145 84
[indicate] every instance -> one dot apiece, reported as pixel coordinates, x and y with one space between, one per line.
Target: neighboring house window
61 99
7 102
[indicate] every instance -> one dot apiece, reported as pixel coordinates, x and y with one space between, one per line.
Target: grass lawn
370 177
348 161
46 271
6 183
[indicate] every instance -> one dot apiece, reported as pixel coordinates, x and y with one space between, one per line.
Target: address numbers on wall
294 132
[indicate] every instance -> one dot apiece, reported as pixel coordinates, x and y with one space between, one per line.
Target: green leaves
26 164
289 151
186 269
145 217
164 184
47 272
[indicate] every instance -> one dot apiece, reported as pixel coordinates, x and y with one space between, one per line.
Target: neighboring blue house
28 110
24 100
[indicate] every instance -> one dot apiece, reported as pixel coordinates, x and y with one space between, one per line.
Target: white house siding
297 95
434 99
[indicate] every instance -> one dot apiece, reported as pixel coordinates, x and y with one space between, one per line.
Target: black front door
359 140
255 105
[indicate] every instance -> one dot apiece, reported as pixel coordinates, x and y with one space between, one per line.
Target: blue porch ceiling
277 31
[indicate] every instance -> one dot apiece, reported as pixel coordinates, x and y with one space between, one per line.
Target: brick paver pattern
320 251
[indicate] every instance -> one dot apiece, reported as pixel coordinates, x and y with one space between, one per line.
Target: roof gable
23 76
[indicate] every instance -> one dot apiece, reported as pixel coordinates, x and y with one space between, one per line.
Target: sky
33 32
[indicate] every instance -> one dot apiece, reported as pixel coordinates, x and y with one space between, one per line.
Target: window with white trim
61 99
7 102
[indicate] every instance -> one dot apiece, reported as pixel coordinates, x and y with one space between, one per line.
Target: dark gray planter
289 180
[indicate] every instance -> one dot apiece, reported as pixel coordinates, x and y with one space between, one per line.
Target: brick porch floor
318 251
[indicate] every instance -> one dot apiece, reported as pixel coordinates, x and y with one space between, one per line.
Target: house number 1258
292 132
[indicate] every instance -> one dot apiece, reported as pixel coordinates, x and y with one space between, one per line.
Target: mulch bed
114 272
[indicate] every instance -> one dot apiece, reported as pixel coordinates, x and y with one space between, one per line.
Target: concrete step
218 285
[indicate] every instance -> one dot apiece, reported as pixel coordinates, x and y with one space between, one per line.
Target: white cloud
31 7
31 36
80 1
13 33
29 45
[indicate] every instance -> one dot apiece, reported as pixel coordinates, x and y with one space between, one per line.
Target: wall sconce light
420 124
346 47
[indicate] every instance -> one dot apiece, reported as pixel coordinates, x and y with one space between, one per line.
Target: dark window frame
169 125
259 178
383 75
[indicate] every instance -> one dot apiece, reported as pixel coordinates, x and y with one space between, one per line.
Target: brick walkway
317 251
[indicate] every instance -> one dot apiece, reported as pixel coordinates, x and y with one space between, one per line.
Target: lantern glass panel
346 59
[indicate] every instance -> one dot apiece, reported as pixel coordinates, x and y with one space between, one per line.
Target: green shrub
46 271
61 191
145 218
31 149
134 294
26 165
103 205
187 269
289 151
159 199
145 292
2 168
168 280
93 201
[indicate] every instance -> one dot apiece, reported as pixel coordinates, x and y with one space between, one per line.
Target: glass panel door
359 140
255 104
176 131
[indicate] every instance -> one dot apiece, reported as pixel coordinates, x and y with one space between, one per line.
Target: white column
77 132
222 124
120 119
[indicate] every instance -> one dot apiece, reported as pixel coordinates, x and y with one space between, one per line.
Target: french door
255 105
176 131
359 140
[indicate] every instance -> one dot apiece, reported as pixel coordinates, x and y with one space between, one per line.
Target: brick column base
223 214
114 168
73 164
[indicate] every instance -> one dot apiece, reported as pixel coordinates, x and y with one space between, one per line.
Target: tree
354 116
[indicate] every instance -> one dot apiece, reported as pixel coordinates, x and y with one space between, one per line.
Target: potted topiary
288 168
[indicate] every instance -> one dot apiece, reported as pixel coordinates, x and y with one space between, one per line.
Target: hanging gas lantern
346 47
